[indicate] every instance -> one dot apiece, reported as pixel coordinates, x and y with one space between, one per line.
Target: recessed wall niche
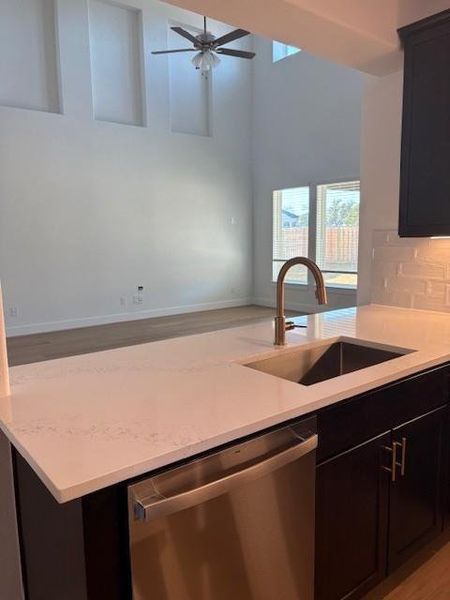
116 62
190 90
28 45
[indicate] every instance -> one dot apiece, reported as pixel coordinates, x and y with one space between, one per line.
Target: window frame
312 235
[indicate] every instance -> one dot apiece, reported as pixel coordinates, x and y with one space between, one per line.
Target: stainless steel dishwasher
235 525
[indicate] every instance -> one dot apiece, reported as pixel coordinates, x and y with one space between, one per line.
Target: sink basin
313 364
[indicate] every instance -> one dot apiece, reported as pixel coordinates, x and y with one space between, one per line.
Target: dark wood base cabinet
351 521
72 551
380 501
416 497
381 490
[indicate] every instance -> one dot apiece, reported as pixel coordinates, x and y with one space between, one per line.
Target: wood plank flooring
46 346
425 577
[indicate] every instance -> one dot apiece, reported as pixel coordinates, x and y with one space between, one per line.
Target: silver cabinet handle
403 457
394 462
161 507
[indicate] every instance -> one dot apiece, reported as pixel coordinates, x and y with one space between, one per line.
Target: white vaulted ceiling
357 33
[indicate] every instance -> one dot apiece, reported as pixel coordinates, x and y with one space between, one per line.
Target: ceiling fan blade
173 51
230 37
237 53
185 34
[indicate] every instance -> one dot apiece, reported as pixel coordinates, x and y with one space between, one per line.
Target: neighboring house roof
289 214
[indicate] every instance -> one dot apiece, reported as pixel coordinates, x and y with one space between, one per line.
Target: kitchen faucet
281 325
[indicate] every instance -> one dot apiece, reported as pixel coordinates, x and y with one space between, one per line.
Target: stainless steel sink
313 364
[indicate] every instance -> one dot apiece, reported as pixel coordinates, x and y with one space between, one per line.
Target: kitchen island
90 421
88 424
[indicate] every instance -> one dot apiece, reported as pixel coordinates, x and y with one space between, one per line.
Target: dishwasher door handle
160 506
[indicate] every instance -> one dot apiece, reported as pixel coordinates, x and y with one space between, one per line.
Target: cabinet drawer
353 421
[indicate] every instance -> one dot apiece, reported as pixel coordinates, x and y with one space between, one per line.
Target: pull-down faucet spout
281 326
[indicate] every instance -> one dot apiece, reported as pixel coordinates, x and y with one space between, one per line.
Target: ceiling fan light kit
208 47
205 61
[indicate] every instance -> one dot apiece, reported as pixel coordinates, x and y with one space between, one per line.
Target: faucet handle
291 325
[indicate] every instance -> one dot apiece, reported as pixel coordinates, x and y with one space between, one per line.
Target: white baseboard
15 330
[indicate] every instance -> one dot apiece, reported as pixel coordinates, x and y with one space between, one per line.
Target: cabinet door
351 521
425 173
416 498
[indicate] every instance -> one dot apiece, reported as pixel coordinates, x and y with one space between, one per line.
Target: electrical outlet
139 297
13 312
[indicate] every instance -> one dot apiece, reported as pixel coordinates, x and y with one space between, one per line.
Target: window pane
290 229
349 280
280 51
337 230
297 274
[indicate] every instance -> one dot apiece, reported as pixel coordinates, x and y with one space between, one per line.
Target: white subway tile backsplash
428 302
418 269
380 237
411 272
388 252
393 239
434 253
411 285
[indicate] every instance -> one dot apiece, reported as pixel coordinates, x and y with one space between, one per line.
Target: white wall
306 129
91 209
380 167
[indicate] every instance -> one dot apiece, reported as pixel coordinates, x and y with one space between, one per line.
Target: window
290 230
322 222
280 51
337 232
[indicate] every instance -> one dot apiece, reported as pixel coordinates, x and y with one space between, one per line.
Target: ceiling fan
208 47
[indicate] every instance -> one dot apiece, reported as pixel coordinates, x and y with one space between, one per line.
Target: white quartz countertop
90 421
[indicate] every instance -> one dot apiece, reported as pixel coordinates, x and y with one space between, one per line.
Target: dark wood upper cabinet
425 159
